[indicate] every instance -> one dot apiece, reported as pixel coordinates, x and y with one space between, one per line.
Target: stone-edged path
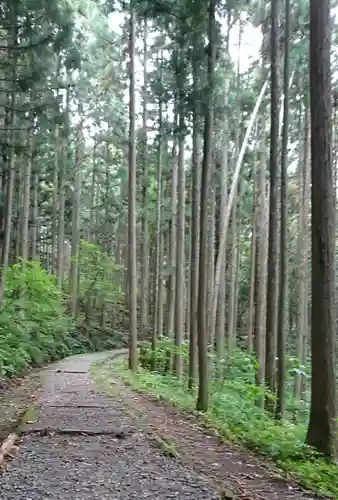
119 461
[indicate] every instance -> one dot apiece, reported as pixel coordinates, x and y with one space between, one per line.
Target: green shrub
234 413
99 285
34 328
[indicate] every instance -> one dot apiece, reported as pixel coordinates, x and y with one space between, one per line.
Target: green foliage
234 412
34 328
99 281
158 359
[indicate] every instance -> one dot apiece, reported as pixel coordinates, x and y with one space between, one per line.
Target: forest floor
79 443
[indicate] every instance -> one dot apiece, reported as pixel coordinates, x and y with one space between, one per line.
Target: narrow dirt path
84 445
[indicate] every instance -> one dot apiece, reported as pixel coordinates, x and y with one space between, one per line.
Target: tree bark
132 278
159 239
283 269
202 323
322 425
180 242
144 306
272 293
195 214
74 265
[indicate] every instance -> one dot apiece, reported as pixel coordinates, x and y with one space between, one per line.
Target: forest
168 177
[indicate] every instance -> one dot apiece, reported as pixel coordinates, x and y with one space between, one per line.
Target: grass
235 417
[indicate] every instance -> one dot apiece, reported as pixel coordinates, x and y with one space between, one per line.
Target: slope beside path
84 445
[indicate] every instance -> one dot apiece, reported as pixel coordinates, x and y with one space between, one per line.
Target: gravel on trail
57 460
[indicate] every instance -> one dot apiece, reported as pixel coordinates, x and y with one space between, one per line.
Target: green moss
168 448
29 416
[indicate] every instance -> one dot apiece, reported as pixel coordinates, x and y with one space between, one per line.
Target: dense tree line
163 185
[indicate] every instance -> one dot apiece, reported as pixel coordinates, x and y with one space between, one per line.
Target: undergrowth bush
34 327
234 412
233 401
101 299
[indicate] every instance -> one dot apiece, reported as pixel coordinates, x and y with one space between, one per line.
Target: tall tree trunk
55 199
220 320
93 197
11 158
195 214
26 197
253 260
35 214
234 224
202 323
172 231
238 258
73 272
322 424
106 243
132 201
303 248
283 271
144 306
188 251
211 254
271 310
305 278
233 278
62 198
233 303
159 237
160 305
260 268
180 241
18 207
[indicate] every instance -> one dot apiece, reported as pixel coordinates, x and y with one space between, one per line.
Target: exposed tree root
71 371
49 431
100 407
